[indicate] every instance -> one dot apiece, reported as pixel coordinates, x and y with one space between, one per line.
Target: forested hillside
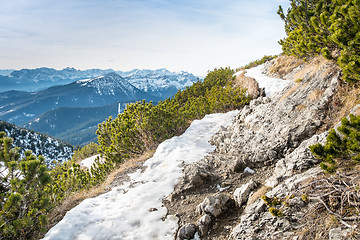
53 150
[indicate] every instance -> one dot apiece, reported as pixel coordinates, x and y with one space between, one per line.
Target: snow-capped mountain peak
109 84
160 82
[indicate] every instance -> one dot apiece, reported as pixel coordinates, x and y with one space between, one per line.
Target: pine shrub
324 27
341 144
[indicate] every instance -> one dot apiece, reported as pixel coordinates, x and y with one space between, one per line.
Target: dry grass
284 65
334 202
256 195
357 112
314 66
314 95
300 108
72 201
289 92
346 98
250 84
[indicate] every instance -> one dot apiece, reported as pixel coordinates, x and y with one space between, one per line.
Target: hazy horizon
193 36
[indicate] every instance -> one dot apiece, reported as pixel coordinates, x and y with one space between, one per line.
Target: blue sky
190 35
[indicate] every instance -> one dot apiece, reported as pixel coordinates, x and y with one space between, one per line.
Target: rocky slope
264 152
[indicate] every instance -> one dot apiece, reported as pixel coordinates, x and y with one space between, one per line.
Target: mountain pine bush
342 144
29 190
330 28
23 199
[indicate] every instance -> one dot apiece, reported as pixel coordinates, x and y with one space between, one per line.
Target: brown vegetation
284 65
314 95
290 91
334 202
346 98
257 195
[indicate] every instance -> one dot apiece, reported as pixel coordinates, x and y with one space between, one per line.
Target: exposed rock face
271 136
256 221
269 128
187 232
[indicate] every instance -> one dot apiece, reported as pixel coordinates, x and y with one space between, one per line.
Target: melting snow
88 162
249 170
271 85
136 212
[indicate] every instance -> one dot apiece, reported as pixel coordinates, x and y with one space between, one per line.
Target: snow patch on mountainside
88 162
134 210
270 84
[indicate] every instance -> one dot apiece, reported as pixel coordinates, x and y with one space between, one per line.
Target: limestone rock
241 194
194 176
270 128
272 136
204 223
257 221
187 232
335 234
214 205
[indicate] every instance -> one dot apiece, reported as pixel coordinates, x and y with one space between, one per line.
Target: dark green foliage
87 151
29 190
344 144
38 143
143 125
273 203
23 198
324 27
276 212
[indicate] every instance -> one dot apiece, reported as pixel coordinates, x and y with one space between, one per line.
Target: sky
190 35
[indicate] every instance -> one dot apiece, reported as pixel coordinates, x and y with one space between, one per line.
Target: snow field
88 162
271 85
134 210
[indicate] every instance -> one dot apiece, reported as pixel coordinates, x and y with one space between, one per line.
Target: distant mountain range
21 107
159 82
72 111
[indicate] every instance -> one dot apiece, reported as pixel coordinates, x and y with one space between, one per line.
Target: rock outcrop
251 86
271 137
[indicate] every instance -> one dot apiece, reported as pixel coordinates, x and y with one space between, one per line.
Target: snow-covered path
270 84
134 210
